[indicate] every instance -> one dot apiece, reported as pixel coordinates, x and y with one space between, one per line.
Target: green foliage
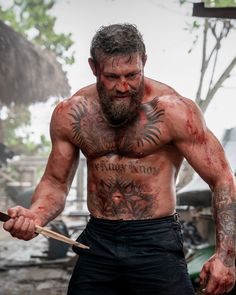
17 135
16 117
32 18
214 3
182 1
220 3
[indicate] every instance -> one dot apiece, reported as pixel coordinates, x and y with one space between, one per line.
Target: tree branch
204 66
204 103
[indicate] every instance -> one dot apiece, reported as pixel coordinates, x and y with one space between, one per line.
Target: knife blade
48 233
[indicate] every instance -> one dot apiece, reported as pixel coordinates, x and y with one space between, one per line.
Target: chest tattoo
91 133
77 113
116 197
146 128
89 130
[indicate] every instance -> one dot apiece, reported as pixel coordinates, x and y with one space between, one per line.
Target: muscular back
131 169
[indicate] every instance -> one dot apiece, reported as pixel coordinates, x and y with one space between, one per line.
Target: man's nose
122 85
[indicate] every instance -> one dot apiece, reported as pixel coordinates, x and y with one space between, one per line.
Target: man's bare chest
95 137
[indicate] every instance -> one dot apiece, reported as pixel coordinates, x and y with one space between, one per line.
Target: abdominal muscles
128 190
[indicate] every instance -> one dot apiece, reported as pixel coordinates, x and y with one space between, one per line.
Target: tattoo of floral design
85 124
148 131
78 112
225 215
115 197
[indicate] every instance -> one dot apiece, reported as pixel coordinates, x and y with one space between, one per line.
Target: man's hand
216 278
22 223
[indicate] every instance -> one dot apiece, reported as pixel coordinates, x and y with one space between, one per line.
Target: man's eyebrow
110 74
133 72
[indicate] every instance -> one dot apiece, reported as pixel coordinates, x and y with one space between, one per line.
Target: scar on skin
41 207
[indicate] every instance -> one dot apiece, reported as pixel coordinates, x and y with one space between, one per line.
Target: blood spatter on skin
41 207
190 128
148 90
60 108
199 136
126 86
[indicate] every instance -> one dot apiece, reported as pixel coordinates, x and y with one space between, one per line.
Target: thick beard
118 113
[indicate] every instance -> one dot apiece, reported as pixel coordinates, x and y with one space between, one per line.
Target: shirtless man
134 132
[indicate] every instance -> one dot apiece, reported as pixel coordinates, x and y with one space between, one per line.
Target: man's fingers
28 229
13 212
20 225
31 228
25 225
204 275
212 288
16 211
218 286
16 230
8 225
216 278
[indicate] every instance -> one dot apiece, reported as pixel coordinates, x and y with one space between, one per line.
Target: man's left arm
206 155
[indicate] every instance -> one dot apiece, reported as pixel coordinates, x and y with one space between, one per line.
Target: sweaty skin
133 165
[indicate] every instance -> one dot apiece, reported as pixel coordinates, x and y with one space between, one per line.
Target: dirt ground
26 270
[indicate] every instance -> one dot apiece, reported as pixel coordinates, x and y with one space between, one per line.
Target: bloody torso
132 169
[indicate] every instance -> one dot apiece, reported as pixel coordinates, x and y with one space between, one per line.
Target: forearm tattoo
225 216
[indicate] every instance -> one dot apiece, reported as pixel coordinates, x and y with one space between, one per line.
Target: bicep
206 155
198 144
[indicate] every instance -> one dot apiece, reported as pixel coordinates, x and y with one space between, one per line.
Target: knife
48 233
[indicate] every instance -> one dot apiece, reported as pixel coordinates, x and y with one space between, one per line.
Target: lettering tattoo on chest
117 197
129 167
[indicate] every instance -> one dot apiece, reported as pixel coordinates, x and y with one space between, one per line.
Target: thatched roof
28 73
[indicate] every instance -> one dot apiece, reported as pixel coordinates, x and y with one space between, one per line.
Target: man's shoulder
176 101
182 116
89 90
156 88
82 96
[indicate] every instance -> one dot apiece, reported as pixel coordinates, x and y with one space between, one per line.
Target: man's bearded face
120 86
119 107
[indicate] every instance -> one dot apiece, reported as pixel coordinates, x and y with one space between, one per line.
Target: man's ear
92 66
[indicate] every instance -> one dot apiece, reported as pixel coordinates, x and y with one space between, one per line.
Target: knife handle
52 234
48 233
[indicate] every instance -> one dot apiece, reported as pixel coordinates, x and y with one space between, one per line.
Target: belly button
117 199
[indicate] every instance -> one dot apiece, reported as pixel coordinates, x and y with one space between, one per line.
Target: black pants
131 257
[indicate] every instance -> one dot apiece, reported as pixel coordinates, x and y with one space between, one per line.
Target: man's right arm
49 197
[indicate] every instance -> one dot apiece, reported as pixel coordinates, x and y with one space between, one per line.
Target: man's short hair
117 39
